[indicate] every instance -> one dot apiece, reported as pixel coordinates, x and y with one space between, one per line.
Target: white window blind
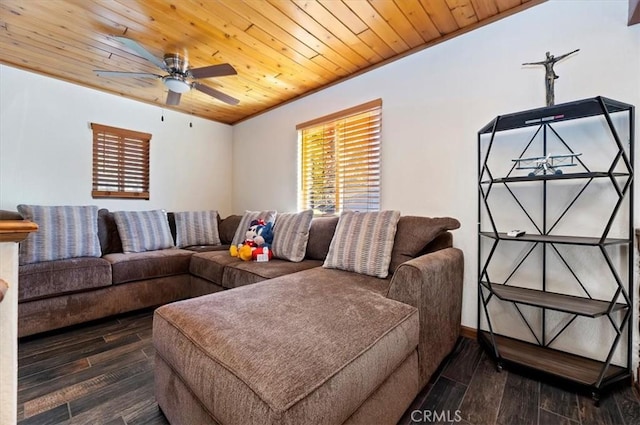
340 160
120 163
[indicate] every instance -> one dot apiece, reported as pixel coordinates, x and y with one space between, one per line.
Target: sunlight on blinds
340 161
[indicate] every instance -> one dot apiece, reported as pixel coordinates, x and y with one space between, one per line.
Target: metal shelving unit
539 357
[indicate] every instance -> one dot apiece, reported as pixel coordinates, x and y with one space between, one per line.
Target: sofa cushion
248 272
53 278
320 234
362 242
245 222
227 228
196 228
287 351
63 232
414 234
142 231
290 235
206 248
321 276
210 265
147 265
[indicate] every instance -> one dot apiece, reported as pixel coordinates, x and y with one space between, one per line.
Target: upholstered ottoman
292 350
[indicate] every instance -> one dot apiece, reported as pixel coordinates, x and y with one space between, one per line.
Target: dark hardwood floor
102 373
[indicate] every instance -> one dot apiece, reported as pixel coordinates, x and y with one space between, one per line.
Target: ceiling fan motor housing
176 63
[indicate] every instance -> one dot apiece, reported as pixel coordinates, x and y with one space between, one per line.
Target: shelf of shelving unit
551 177
563 365
584 373
554 301
559 239
551 114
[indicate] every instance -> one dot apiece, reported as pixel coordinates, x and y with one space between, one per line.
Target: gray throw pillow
363 242
197 228
143 230
63 232
290 235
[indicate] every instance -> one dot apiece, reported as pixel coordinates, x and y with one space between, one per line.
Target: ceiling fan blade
213 71
173 98
215 93
141 51
101 73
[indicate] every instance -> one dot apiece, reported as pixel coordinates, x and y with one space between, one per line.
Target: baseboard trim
471 333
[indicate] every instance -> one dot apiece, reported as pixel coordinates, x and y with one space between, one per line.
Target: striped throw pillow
143 230
63 232
245 222
197 228
290 235
363 242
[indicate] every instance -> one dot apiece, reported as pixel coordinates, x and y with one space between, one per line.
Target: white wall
46 147
435 101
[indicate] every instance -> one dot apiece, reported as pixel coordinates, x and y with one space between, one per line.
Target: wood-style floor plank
55 416
123 405
442 404
56 357
464 363
81 389
75 334
549 418
629 407
102 373
482 401
49 375
47 387
606 414
520 401
105 394
561 402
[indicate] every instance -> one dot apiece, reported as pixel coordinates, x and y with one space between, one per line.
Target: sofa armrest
433 284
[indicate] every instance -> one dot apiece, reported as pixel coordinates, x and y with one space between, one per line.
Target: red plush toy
261 254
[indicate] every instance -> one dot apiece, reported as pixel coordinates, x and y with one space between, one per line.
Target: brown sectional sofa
55 294
308 344
305 345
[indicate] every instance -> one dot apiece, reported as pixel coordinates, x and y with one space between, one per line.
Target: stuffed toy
257 243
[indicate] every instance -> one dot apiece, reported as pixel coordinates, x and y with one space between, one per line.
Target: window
120 163
340 160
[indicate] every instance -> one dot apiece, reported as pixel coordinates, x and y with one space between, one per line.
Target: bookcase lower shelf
565 368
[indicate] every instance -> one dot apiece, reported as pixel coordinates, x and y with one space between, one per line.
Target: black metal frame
544 118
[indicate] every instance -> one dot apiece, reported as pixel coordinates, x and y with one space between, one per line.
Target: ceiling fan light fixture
176 84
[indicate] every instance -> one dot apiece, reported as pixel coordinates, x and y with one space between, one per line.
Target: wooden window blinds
340 160
120 163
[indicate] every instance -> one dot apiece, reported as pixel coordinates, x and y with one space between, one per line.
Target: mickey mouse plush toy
257 243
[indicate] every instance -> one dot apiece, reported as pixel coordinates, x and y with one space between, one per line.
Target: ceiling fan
179 77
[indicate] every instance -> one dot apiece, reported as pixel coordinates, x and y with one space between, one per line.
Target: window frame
126 167
358 175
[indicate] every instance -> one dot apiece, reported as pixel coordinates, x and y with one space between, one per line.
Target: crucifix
550 75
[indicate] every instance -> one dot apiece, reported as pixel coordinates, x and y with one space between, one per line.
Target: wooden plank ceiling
281 49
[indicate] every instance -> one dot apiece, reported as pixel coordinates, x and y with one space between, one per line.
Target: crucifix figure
550 75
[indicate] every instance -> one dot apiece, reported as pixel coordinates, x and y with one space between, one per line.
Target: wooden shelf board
567 176
551 300
569 240
564 365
